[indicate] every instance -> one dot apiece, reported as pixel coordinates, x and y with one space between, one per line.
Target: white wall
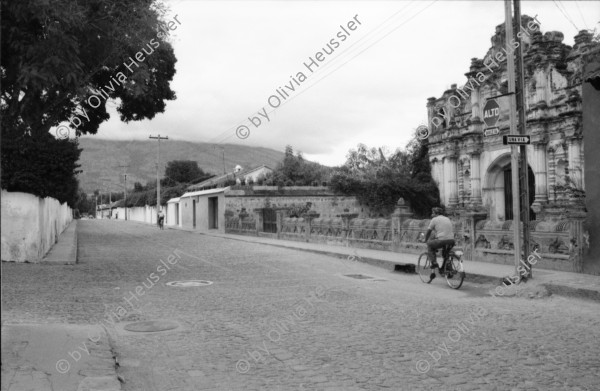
143 214
170 214
31 225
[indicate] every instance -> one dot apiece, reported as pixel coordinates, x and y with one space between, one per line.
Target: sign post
514 163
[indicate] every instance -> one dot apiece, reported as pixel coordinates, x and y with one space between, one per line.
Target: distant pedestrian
161 219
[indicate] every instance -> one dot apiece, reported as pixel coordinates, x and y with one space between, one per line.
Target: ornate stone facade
470 164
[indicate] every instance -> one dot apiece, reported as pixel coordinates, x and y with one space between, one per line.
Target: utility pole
522 130
125 174
223 153
514 163
157 174
223 150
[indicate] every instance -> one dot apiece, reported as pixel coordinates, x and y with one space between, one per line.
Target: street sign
491 132
491 113
512 139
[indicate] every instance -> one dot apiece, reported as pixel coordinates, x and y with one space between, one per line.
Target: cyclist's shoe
434 265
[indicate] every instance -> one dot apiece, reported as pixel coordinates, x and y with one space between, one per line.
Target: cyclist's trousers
436 244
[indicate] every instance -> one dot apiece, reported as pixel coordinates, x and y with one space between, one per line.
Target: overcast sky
373 89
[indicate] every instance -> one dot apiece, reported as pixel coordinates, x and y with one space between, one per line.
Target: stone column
475 179
309 217
552 174
541 176
575 167
461 181
279 214
440 176
475 106
400 215
258 215
453 181
347 219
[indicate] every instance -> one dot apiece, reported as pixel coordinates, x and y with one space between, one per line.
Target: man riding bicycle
444 234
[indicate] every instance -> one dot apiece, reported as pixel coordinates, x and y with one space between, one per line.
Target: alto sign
491 113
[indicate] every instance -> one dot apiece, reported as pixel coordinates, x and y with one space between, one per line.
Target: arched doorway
497 189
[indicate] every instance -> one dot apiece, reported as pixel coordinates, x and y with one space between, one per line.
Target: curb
569 291
553 288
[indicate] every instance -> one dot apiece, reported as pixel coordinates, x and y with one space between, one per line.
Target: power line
222 139
581 14
565 15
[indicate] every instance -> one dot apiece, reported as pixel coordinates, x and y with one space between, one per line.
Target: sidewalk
57 357
555 282
64 251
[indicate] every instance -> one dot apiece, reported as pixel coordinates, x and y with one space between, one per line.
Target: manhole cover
358 276
150 326
188 283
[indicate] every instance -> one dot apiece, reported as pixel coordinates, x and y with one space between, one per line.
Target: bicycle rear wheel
424 268
454 272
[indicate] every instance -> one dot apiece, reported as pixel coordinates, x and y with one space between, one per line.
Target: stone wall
479 238
31 225
322 200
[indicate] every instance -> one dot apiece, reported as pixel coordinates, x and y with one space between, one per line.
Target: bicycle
161 223
452 268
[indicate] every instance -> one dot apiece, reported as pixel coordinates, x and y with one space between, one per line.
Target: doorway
269 220
508 193
194 213
213 212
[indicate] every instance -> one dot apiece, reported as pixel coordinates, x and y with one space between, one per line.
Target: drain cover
150 326
358 276
188 283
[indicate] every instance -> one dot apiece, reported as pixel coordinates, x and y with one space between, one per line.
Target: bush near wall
148 197
41 165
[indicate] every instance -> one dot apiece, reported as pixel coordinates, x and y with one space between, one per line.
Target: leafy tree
43 165
137 186
379 181
295 171
57 55
85 204
62 60
183 171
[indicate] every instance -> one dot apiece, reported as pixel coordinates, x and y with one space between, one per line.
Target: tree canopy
57 55
379 181
64 61
294 170
183 171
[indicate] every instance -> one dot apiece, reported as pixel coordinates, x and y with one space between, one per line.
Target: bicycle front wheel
424 268
454 272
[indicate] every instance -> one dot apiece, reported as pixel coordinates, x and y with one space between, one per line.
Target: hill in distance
100 160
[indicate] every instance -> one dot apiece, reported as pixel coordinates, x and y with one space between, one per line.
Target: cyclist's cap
437 210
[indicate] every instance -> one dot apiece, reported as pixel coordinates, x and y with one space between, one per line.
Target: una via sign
512 139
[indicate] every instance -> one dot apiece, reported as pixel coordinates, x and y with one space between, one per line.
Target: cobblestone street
279 319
